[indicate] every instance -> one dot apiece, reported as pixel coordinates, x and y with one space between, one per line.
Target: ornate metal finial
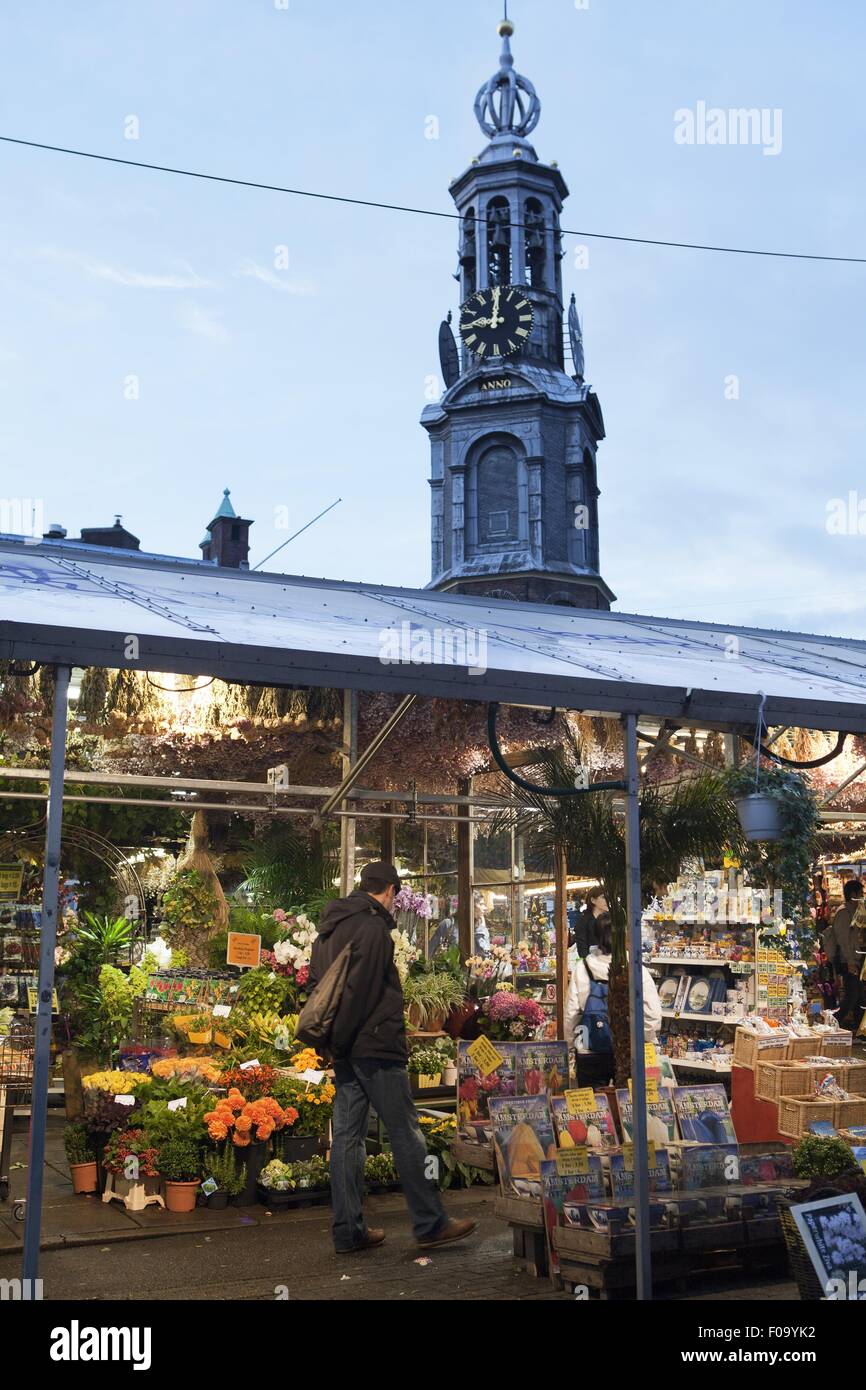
508 104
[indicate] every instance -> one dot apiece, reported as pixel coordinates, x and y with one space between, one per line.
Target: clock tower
514 437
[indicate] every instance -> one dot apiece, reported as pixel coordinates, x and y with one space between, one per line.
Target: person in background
482 931
587 1021
843 947
445 935
583 937
368 1043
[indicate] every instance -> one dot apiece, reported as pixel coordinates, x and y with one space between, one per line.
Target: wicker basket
808 1283
751 1048
853 1140
796 1113
802 1047
776 1079
850 1112
837 1044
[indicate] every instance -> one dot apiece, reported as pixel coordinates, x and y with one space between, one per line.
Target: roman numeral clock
496 322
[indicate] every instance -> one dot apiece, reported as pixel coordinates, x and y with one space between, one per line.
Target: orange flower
242 1140
217 1130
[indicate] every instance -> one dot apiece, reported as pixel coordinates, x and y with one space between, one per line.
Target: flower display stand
135 1196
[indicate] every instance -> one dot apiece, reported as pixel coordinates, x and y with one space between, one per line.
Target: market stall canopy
84 607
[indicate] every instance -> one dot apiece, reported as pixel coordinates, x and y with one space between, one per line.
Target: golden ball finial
505 29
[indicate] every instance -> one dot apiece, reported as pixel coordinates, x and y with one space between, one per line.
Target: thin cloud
274 281
204 323
184 279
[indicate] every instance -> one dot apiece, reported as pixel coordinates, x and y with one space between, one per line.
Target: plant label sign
485 1056
244 949
245 1066
221 1010
178 1104
313 1077
124 1100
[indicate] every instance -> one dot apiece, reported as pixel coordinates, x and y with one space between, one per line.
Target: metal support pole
465 906
47 943
643 1255
347 824
560 917
367 756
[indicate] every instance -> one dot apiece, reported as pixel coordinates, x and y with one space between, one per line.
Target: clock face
496 322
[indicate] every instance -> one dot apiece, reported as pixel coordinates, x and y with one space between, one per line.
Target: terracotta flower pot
180 1196
84 1176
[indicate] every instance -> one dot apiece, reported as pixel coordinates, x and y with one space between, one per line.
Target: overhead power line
424 212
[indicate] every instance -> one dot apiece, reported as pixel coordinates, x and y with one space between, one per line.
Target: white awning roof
92 607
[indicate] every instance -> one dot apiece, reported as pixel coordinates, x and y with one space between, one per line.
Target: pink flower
279 915
302 975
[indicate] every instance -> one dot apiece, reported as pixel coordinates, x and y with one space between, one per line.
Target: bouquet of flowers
291 954
506 1015
248 1121
311 1101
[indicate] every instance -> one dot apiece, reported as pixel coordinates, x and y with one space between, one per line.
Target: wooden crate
796 1113
849 1112
776 1079
750 1048
525 1217
476 1155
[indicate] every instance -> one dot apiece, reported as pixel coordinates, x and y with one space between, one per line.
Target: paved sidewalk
98 1251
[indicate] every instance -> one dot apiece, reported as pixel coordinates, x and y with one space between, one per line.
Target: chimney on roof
55 532
116 536
227 539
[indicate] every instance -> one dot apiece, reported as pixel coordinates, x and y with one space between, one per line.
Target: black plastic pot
298 1197
251 1161
217 1201
293 1148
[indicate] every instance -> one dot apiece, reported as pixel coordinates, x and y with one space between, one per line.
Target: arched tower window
497 497
469 254
498 242
534 241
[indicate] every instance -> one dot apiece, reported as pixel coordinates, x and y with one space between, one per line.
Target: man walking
368 1042
844 949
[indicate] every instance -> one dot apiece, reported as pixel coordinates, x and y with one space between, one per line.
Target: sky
162 338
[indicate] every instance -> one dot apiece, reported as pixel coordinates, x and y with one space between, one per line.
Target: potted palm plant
81 1157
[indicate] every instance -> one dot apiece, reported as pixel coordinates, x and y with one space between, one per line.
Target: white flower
161 951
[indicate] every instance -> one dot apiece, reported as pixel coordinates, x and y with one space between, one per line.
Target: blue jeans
384 1086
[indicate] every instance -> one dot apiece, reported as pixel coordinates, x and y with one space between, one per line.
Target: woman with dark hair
583 934
587 1022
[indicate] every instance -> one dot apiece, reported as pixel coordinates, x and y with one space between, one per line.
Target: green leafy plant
189 903
105 1010
429 1059
286 866
180 1160
289 1177
432 995
222 1166
262 991
379 1168
107 938
78 1143
185 1123
819 1157
782 865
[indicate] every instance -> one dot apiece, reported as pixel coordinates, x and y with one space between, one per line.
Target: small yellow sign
11 877
650 1056
580 1101
484 1056
574 1160
652 1090
244 948
33 1001
628 1155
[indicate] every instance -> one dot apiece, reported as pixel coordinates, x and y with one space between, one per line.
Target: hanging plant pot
760 816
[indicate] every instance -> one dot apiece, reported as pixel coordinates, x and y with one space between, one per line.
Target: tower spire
507 104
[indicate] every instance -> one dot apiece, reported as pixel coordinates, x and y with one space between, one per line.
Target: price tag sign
178 1104
484 1056
244 948
124 1100
650 1056
628 1155
314 1077
245 1066
33 1001
573 1161
221 1010
209 1187
652 1090
580 1101
11 878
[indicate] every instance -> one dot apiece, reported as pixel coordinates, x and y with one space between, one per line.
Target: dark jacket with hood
369 1021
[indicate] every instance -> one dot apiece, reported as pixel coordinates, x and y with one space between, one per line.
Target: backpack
316 1019
595 1018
